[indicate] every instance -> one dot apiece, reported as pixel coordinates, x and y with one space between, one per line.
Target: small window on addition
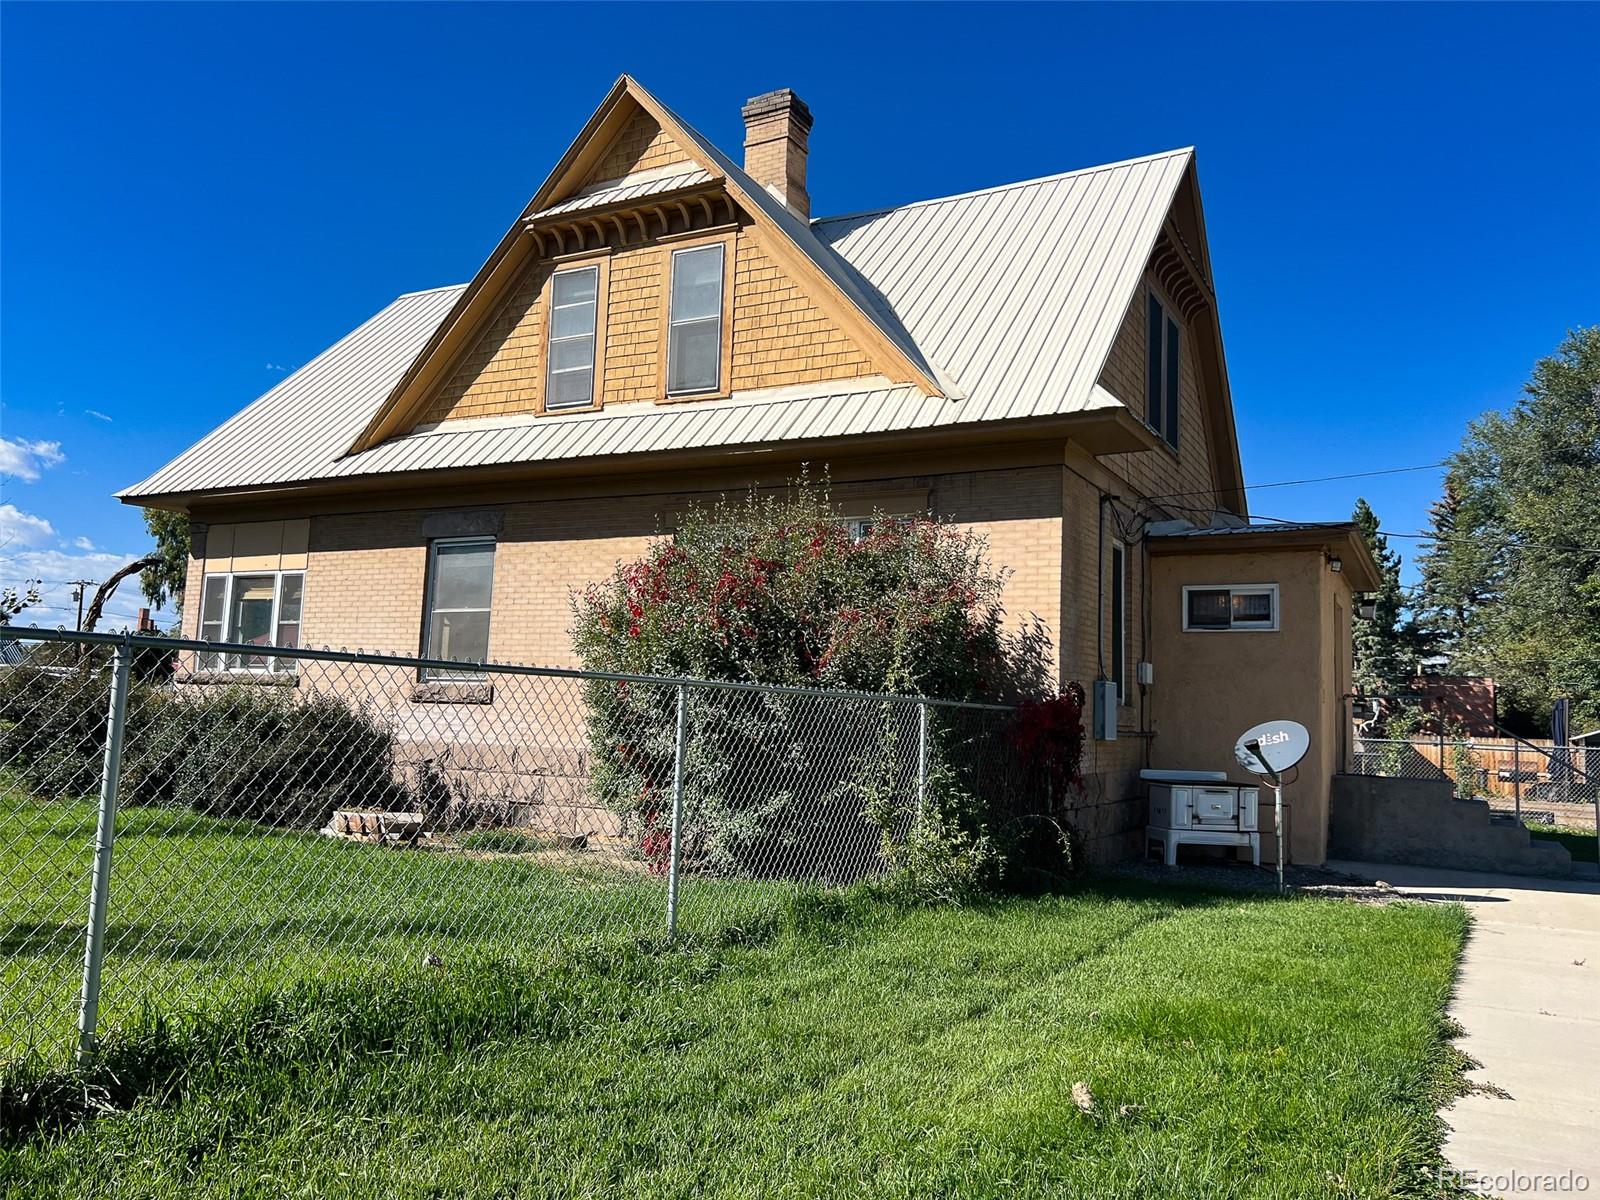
460 586
574 300
694 324
1231 607
258 608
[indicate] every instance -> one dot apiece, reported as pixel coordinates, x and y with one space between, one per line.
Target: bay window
256 608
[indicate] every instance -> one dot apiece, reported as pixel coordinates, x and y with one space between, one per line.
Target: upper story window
694 322
574 302
1165 355
258 608
1232 607
456 610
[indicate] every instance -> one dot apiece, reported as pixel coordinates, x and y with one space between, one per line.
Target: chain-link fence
1540 785
184 823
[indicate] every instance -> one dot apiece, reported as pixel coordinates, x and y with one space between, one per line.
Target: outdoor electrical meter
1105 710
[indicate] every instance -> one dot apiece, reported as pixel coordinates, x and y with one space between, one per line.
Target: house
1041 362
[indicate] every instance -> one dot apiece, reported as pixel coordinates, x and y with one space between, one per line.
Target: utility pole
77 594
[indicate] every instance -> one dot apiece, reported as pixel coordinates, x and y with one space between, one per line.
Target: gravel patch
1242 877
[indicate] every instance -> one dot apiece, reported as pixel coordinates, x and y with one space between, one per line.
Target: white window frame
721 248
860 527
1268 589
234 662
1119 645
461 675
594 344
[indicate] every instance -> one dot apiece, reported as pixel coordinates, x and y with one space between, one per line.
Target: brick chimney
776 127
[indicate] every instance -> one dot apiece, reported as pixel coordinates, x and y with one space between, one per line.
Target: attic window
574 297
1163 340
694 324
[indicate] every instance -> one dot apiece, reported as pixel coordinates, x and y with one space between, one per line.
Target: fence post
677 810
94 949
1516 776
922 760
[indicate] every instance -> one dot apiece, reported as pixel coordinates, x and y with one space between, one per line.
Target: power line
1433 537
1255 487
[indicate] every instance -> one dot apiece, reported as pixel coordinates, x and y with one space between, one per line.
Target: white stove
1201 808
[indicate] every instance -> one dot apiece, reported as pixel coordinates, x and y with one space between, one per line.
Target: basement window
1236 606
1164 356
456 610
694 322
257 608
574 300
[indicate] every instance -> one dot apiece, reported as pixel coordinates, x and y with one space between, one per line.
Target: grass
506 841
204 912
1581 843
1234 1046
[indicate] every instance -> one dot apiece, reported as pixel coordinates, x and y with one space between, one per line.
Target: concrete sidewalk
1529 1000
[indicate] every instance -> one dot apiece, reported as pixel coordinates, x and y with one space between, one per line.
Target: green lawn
1581 843
1234 1046
203 912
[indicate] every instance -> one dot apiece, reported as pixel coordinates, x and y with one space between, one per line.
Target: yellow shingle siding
503 371
1154 473
641 146
633 326
780 336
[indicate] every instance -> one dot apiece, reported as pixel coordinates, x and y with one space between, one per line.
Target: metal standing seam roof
1014 294
628 189
1220 531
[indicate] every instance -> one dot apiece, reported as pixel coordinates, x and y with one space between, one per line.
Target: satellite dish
1272 747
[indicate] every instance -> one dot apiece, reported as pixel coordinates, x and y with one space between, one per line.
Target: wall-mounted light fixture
1335 563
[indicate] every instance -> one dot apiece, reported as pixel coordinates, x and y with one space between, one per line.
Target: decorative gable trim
575 171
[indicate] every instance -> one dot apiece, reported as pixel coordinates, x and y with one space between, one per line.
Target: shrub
1037 837
776 590
239 751
53 724
242 751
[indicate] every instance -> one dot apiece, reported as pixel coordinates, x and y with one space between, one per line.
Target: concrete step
1422 823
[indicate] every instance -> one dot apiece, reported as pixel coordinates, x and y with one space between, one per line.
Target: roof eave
1099 431
1342 539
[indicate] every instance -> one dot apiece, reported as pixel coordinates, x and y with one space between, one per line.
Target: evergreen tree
1512 575
1385 648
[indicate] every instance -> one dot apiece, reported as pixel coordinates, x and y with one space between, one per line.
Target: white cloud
82 543
25 460
96 414
57 568
18 528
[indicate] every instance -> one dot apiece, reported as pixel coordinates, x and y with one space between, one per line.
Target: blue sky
194 199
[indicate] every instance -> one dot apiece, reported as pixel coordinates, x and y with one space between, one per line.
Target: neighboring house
1040 362
1465 704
